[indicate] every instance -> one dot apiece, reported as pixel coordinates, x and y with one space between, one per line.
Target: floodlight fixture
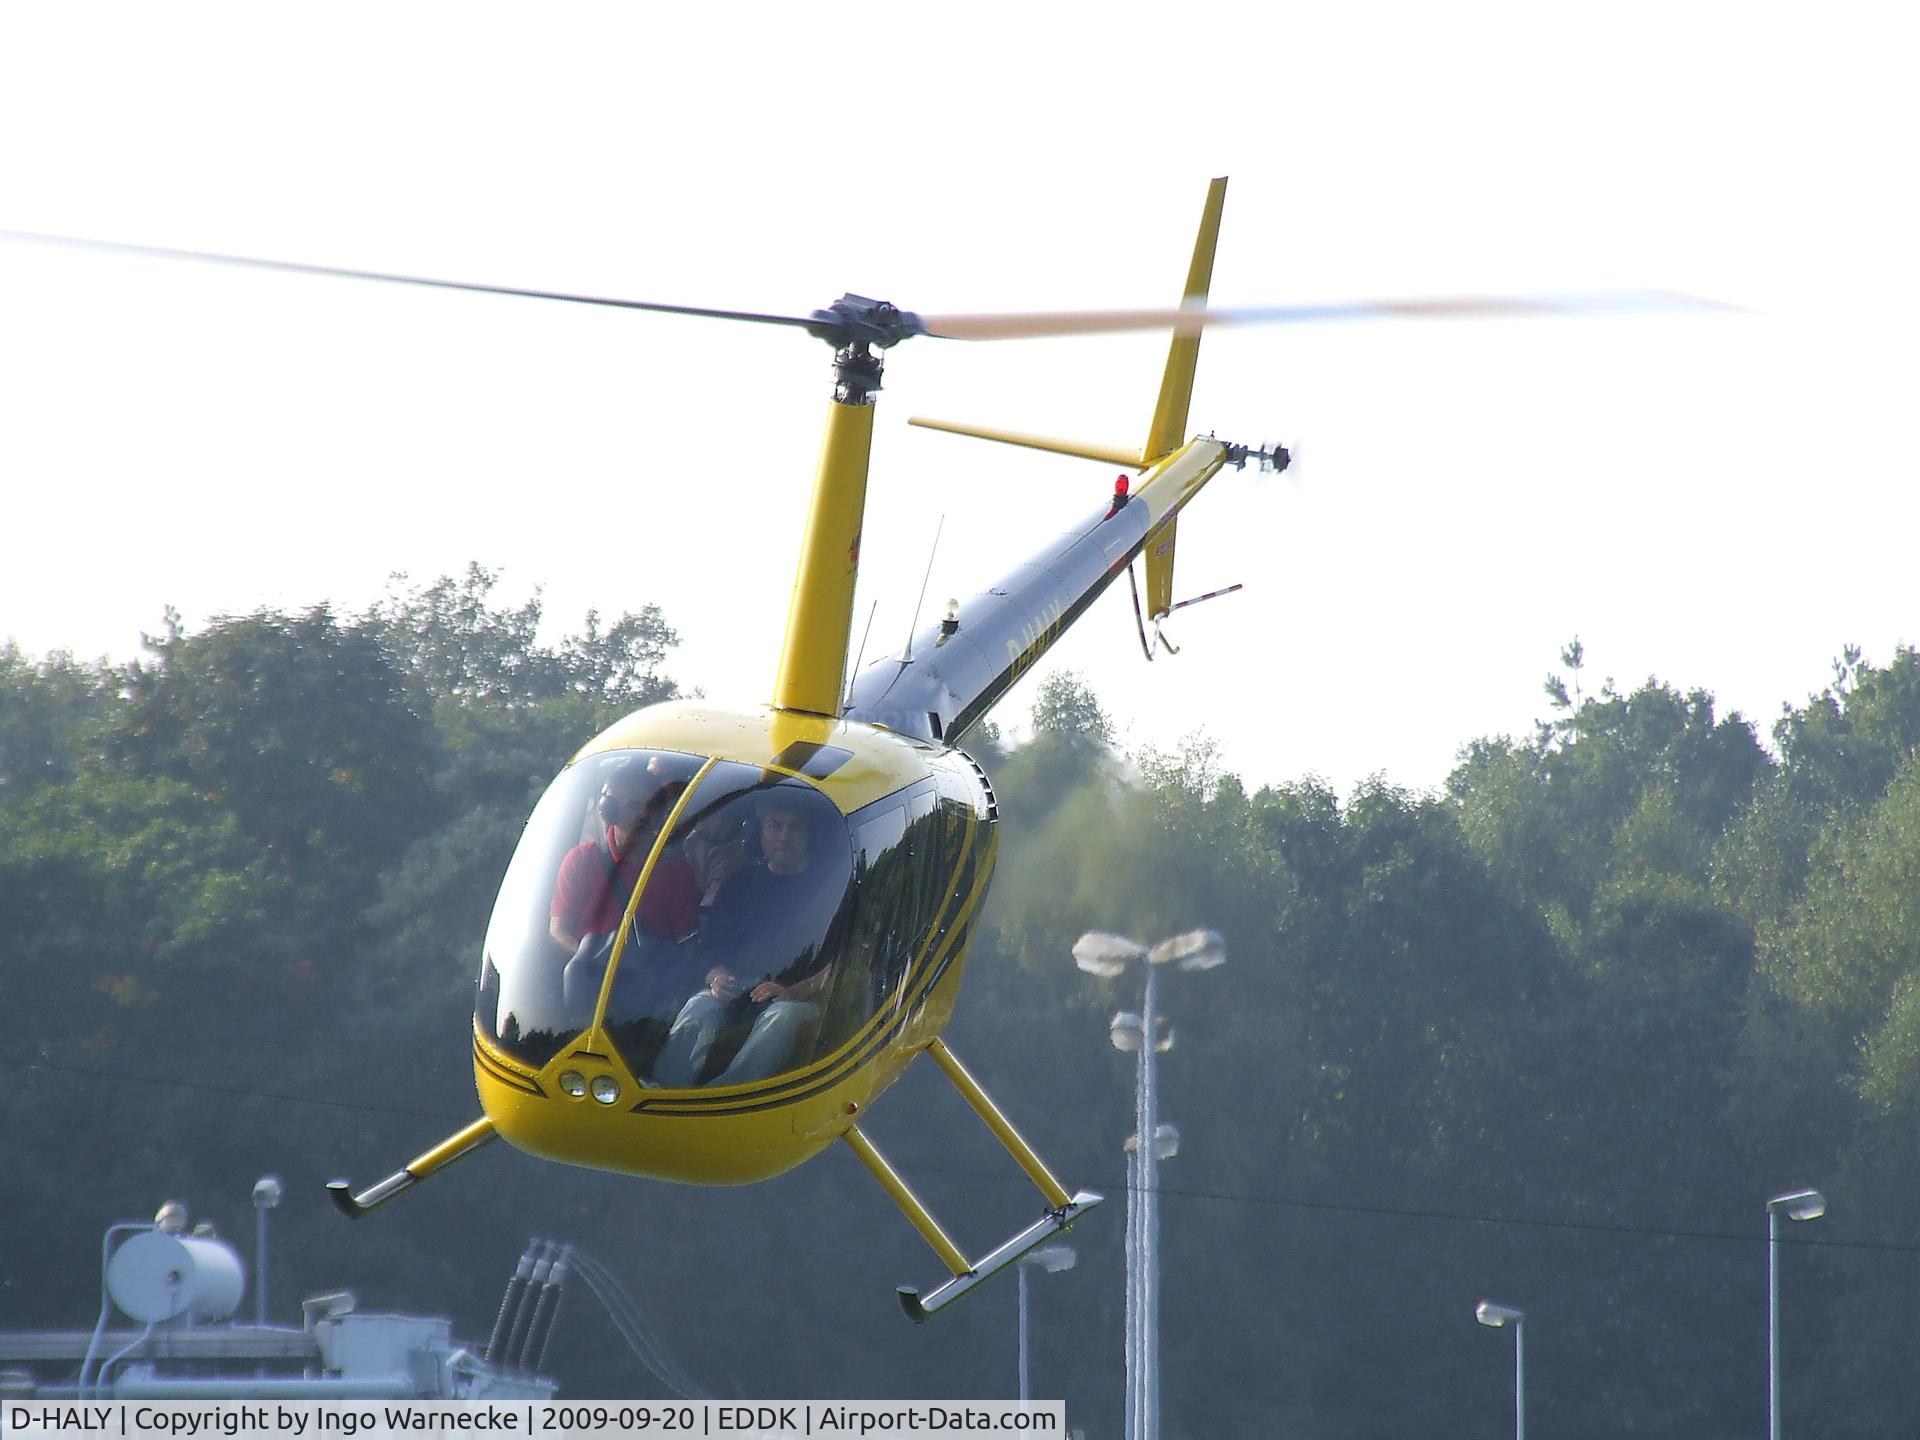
1099 952
1051 1258
1800 1204
1195 950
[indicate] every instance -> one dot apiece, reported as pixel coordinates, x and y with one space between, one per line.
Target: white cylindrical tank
156 1276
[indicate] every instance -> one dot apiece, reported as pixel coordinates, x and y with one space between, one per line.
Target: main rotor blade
297 268
1190 321
853 316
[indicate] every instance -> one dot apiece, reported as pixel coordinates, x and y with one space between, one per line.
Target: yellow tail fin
1176 386
1169 430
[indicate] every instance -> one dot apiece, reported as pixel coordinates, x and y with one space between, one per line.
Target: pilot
597 876
765 913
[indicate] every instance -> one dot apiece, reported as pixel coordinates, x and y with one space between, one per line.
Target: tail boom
953 678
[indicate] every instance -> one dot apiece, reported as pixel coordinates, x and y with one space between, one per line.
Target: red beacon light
1121 486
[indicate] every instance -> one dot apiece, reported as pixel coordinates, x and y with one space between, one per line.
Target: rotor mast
813 659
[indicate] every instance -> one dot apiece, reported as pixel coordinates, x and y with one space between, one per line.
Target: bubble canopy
701 910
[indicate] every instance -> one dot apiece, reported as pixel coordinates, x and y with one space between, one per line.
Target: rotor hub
858 320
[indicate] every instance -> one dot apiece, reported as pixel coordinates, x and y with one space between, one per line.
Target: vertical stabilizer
1169 430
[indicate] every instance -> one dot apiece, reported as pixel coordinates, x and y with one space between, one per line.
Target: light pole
1099 953
1799 1205
1052 1259
266 1195
1499 1316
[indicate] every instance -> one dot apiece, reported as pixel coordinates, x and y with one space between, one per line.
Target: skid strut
1062 1209
465 1142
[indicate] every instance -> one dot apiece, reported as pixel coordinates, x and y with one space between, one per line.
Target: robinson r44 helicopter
784 894
726 931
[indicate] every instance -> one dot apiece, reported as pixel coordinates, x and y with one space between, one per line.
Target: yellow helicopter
726 931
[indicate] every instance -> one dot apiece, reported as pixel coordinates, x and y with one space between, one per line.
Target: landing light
606 1089
573 1082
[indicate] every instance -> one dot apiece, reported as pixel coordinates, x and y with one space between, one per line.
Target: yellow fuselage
737 1133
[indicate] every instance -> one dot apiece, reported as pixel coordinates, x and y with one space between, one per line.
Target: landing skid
445 1153
919 1307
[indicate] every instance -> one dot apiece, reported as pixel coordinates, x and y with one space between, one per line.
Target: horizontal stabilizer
1109 454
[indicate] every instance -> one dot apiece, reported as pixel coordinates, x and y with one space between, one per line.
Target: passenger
597 876
766 918
716 849
590 896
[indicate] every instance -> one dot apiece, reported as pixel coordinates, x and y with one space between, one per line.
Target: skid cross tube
1062 1209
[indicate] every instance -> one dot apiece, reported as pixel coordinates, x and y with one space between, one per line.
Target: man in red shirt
596 878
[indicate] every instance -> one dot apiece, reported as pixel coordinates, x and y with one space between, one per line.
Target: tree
1842 748
458 646
50 710
298 725
1066 706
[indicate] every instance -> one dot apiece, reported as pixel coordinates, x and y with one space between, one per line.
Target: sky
1720 498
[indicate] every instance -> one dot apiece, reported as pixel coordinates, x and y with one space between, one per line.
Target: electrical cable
1658 1232
631 1322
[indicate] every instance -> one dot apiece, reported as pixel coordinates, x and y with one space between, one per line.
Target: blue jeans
766 1049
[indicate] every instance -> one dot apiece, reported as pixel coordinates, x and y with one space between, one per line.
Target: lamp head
1106 955
1195 950
1488 1313
1800 1204
1051 1258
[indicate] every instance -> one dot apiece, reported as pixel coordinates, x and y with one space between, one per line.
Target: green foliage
1065 706
458 646
1848 951
49 713
299 725
1843 747
1655 768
